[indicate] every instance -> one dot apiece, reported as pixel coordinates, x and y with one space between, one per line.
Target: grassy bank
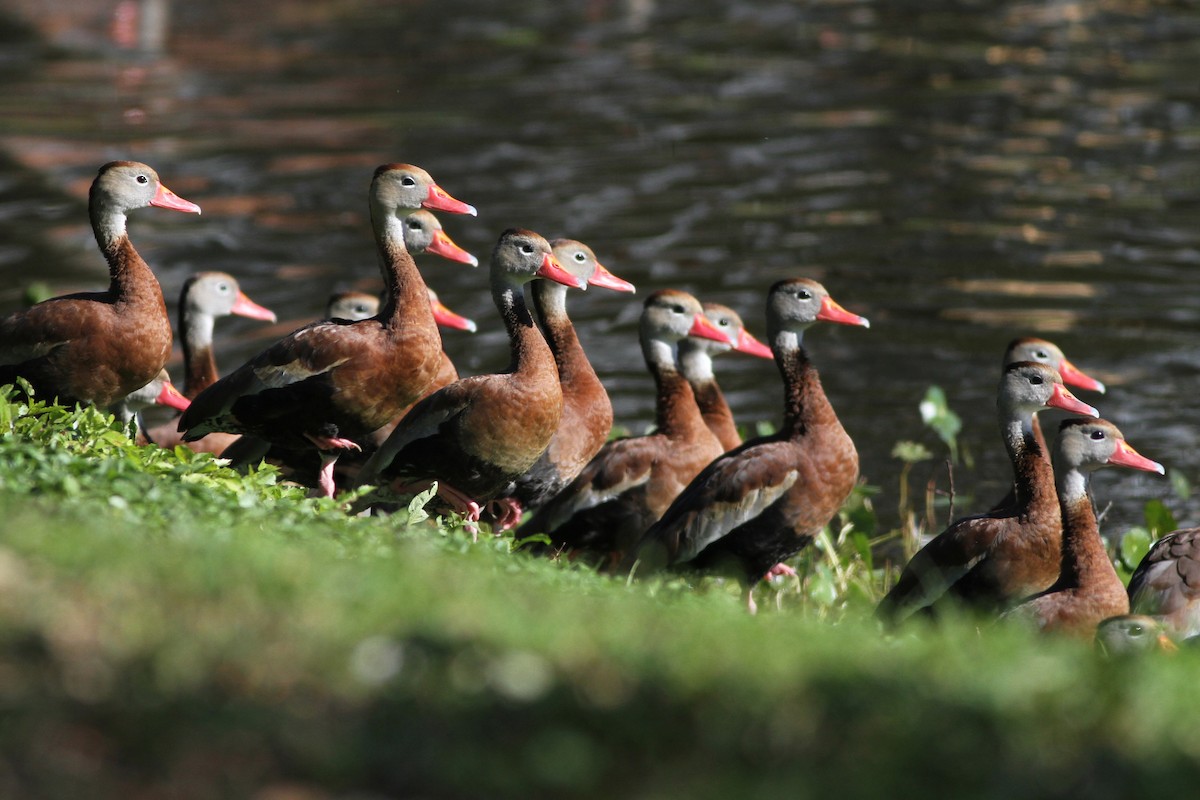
170 629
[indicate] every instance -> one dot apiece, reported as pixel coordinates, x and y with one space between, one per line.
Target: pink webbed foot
506 511
332 442
778 570
325 477
459 502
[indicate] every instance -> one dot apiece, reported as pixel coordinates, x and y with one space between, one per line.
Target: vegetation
171 628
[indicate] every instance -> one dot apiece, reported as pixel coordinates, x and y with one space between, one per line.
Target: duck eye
527 249
360 308
1041 354
724 323
142 179
222 287
804 294
580 257
1137 630
1097 435
408 180
1036 380
678 309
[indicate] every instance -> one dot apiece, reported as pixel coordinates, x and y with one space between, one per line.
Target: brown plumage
1166 584
476 435
587 412
98 347
1088 589
696 364
630 482
995 559
764 501
332 381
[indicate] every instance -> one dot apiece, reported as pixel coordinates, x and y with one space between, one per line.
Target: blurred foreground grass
170 629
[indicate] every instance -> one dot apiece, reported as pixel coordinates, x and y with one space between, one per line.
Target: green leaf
936 413
1134 546
1159 519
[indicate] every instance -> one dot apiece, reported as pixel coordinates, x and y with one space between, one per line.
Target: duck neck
1033 479
697 366
675 412
130 278
550 303
406 299
1085 561
528 348
199 363
804 400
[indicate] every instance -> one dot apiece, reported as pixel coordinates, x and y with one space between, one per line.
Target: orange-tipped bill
445 247
751 346
243 306
1073 376
606 280
552 270
171 397
448 319
165 198
440 200
832 312
1126 456
1062 398
703 329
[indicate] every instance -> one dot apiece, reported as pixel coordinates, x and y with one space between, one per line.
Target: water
961 174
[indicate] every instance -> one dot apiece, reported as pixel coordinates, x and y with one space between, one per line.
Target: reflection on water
961 174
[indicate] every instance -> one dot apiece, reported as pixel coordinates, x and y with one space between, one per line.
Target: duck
992 560
98 347
331 381
587 414
696 363
475 436
762 502
1087 590
1032 348
1127 634
160 391
631 481
1166 583
204 297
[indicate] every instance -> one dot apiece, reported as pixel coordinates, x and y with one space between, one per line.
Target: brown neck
716 413
406 299
530 355
199 369
573 365
1085 561
676 414
131 280
1033 477
805 403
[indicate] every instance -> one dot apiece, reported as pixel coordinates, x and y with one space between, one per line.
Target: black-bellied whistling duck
995 559
1030 348
1166 584
478 434
765 500
1126 634
97 347
351 305
630 482
329 382
206 296
587 412
696 364
1088 589
159 391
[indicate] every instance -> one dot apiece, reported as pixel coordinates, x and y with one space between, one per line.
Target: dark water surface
959 172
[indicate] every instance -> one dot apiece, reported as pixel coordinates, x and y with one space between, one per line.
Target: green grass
171 629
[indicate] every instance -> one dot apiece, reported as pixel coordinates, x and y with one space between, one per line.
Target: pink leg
506 511
750 604
325 478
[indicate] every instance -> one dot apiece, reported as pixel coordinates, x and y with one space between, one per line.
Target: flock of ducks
368 397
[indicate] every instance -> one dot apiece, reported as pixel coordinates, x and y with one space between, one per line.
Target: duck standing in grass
762 502
1088 589
98 347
